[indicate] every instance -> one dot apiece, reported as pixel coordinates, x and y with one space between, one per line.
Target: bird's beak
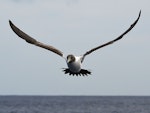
69 60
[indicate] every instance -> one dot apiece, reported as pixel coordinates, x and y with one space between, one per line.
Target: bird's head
70 58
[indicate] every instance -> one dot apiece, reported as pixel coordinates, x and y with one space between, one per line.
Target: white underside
75 66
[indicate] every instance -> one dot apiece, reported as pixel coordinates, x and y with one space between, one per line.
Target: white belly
74 66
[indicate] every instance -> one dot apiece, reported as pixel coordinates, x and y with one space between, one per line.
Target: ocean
74 104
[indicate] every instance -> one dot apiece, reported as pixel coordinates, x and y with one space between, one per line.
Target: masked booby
73 62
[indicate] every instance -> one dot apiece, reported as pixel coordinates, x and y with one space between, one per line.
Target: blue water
74 104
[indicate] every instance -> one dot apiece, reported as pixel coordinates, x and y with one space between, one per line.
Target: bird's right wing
118 38
31 40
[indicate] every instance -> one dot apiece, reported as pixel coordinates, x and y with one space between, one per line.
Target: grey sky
75 26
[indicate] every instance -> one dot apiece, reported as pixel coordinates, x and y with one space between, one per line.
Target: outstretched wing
31 40
118 38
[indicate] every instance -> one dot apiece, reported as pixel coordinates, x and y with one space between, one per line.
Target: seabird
73 62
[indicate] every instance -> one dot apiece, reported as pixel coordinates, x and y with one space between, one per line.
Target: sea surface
74 104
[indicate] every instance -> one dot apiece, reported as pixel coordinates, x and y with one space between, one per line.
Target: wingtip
140 13
138 16
137 19
10 23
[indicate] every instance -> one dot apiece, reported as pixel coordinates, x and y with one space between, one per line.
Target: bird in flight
73 62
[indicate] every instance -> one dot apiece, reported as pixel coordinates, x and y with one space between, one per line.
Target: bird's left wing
118 38
31 40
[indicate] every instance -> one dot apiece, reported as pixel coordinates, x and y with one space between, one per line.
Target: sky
75 26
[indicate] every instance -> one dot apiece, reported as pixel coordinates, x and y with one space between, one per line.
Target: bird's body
73 62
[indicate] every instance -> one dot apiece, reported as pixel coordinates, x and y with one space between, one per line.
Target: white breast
75 66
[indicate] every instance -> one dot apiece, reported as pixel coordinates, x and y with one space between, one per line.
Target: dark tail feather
82 72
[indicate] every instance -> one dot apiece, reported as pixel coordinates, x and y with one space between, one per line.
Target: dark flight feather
31 40
118 38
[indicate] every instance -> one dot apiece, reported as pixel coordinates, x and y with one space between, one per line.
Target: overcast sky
75 26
